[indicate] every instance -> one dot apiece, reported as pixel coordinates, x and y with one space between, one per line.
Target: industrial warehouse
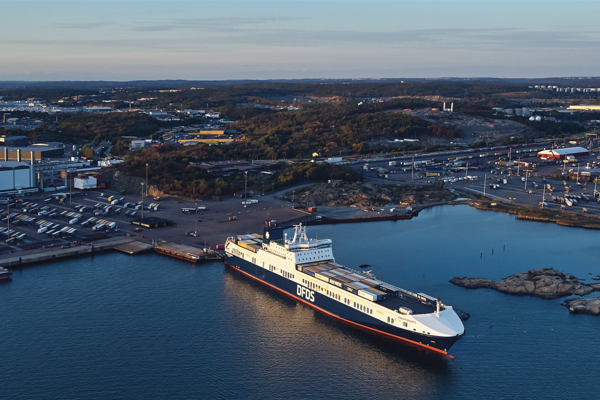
563 154
16 175
39 152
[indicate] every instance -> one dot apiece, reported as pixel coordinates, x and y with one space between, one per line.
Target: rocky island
546 283
583 306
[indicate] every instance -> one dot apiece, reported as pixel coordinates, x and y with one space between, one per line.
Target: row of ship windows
363 308
311 258
311 285
237 252
334 295
287 275
359 306
391 321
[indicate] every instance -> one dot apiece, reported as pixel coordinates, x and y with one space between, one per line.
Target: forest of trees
110 126
330 130
173 173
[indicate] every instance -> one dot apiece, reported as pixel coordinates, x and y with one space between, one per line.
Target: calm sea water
119 327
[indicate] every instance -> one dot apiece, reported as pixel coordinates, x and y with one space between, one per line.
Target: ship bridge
301 249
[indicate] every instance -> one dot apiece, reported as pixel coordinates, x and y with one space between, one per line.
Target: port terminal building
563 154
39 152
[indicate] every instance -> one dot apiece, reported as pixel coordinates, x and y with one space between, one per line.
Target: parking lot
46 221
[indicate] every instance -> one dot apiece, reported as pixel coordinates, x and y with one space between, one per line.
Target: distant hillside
181 83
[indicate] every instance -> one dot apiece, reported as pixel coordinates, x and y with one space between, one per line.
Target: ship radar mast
300 234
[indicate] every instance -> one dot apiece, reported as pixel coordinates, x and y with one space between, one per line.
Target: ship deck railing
395 302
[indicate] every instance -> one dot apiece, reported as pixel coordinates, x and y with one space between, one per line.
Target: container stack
340 277
250 242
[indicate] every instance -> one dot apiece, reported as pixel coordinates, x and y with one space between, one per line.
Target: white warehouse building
16 175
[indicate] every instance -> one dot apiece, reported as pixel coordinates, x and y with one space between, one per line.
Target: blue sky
208 40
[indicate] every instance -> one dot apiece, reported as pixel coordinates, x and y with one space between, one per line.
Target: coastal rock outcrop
461 314
359 194
546 283
583 306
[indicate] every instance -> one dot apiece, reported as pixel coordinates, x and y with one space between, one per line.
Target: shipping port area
44 221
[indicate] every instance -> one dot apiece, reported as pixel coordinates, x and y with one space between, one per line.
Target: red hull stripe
338 317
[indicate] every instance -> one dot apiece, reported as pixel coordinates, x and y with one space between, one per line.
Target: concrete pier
187 253
38 255
133 247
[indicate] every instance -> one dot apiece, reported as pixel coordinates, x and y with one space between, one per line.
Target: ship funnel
271 231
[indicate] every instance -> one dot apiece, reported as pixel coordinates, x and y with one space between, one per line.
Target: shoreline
527 213
328 215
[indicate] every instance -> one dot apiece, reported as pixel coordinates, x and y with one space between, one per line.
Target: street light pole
8 218
142 200
544 197
526 175
69 177
484 183
246 187
147 178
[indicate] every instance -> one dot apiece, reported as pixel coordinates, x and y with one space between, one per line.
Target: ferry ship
4 273
305 269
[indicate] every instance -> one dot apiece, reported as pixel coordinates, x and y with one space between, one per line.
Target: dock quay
34 256
323 220
187 253
133 247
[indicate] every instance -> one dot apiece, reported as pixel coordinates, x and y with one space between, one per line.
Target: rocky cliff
118 181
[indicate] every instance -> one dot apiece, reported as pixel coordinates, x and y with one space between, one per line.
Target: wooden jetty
187 253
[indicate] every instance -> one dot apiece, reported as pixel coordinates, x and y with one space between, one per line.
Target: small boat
5 273
364 266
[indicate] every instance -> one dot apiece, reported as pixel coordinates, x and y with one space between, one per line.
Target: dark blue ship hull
336 309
